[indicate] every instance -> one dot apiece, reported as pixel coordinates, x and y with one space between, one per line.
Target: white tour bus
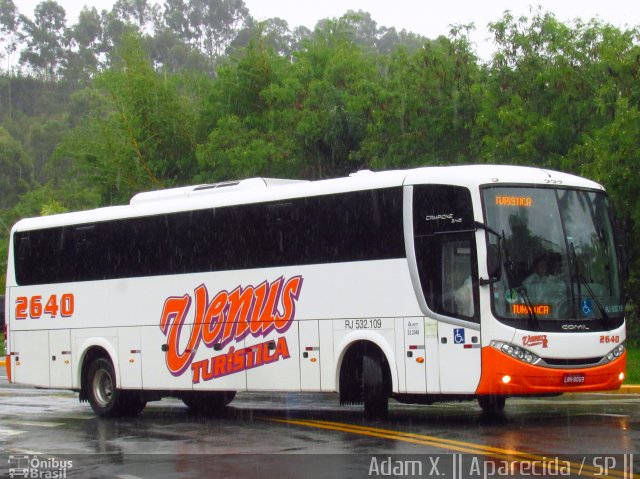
444 283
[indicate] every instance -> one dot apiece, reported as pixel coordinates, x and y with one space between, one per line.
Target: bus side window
446 250
457 278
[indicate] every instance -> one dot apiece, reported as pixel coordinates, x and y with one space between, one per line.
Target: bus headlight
615 353
516 352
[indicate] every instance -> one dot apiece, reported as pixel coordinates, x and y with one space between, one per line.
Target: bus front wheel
492 405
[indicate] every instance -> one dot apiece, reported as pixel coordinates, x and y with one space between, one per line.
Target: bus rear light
517 352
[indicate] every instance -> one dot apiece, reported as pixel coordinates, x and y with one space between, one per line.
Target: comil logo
226 317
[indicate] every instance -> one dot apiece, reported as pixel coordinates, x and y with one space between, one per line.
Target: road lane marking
36 423
27 452
604 414
10 432
386 434
447 444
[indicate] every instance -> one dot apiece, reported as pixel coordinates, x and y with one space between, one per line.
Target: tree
542 89
425 111
248 118
213 24
44 136
234 150
8 27
274 34
139 132
137 12
171 54
363 30
336 82
114 30
45 39
16 170
390 40
176 19
82 58
360 28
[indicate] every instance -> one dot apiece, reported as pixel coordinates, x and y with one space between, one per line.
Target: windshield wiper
533 317
522 290
582 281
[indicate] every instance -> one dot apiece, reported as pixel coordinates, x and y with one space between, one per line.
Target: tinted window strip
356 226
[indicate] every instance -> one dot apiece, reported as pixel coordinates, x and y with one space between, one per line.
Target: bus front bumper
505 375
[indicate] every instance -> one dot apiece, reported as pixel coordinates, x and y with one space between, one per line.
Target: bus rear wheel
105 398
374 391
208 403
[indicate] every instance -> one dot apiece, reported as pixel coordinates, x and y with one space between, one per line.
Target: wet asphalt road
310 435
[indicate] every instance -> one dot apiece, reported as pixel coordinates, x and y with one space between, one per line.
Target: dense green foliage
633 362
141 98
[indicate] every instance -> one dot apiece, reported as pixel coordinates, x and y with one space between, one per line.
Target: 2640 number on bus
36 307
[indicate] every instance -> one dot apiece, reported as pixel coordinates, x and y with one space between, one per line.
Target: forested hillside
147 96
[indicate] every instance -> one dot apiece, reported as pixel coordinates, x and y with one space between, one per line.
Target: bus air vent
207 189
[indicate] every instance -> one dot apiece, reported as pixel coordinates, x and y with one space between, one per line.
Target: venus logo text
227 317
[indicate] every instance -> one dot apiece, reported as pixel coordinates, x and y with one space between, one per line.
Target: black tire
492 405
105 398
208 403
133 403
374 390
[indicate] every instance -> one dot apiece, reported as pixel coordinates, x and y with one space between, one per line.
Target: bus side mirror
494 255
494 268
493 261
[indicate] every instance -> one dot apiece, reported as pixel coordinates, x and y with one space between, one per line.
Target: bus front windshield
558 259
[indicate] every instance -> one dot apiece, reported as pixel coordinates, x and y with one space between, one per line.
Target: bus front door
459 352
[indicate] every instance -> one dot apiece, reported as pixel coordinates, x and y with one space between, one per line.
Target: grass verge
633 362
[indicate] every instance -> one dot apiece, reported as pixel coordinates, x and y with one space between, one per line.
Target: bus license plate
573 379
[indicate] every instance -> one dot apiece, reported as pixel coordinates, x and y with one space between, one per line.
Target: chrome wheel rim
103 388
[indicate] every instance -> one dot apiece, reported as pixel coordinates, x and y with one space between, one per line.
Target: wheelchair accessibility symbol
586 305
458 336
